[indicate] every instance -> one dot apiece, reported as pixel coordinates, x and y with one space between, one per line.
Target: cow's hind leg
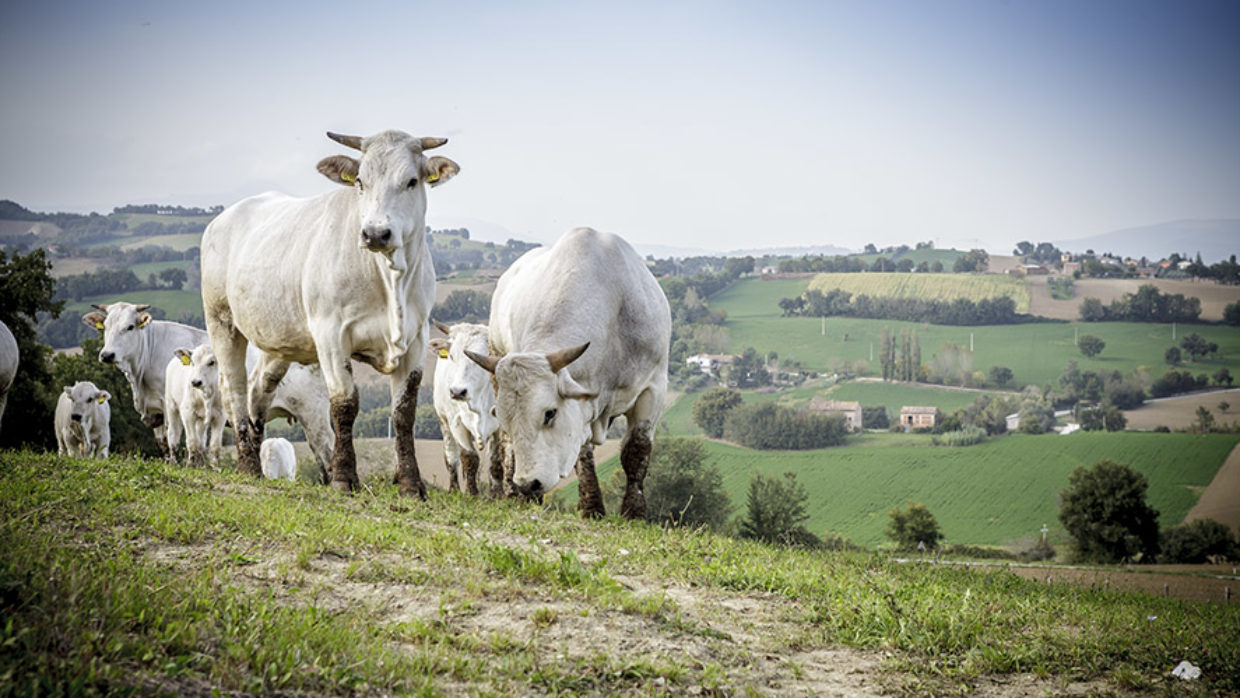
404 410
263 383
451 456
589 497
469 471
495 454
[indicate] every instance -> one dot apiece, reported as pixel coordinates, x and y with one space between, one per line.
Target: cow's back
8 358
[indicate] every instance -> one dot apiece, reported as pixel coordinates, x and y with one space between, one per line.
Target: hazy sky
717 125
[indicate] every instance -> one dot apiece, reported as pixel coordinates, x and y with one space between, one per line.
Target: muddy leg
635 457
496 469
589 497
408 480
469 471
344 460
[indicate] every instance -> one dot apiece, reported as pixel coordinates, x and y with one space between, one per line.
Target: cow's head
465 380
85 398
121 325
204 373
544 412
390 179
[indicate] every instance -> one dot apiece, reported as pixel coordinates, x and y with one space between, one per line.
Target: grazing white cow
344 275
464 402
279 459
83 420
141 347
579 335
9 359
192 402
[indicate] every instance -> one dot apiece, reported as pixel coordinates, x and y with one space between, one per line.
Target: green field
148 268
940 287
171 302
999 492
1037 352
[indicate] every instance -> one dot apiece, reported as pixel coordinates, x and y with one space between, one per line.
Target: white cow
192 402
344 275
141 347
279 459
579 335
9 359
464 403
83 420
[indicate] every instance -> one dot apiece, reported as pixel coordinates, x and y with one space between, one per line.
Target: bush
769 426
967 436
1090 345
711 410
1039 552
1105 512
913 526
682 489
775 511
875 417
1196 542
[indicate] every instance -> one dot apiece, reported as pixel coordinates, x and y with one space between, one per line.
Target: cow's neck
399 273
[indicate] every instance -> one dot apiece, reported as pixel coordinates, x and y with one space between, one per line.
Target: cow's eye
127 329
413 182
548 417
211 362
360 186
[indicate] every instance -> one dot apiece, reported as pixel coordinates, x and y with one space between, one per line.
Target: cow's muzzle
377 239
458 393
107 357
75 417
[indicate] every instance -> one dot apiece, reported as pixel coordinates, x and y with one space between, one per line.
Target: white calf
83 420
192 401
464 403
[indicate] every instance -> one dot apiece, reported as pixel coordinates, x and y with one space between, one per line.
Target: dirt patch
1221 499
1214 297
1180 412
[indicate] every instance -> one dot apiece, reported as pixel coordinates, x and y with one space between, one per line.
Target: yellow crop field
944 287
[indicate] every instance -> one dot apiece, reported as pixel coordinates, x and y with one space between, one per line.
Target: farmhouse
916 417
850 410
709 362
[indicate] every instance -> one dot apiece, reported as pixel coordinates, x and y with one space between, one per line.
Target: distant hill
1216 240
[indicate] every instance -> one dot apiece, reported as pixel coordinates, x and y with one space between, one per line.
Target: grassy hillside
1036 353
942 287
998 492
125 576
172 302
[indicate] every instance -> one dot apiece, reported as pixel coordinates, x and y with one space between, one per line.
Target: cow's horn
104 308
141 308
442 327
487 362
563 357
354 142
429 142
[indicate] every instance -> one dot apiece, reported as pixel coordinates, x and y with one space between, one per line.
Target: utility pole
970 342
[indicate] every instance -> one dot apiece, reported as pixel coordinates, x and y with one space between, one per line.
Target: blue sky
701 124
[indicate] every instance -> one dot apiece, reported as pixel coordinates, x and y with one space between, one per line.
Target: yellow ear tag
433 177
102 399
185 359
99 326
443 353
347 177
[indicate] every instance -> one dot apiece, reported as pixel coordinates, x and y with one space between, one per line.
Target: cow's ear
437 170
441 346
183 355
103 396
69 390
94 319
570 389
144 319
340 169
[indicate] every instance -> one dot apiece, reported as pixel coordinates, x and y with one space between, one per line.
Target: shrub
711 410
875 417
769 426
1196 541
913 526
1090 345
775 511
967 436
682 489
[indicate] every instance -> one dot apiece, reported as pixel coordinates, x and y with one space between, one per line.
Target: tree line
1148 304
1000 310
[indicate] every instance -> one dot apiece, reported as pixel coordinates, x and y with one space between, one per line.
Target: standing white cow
464 403
83 421
279 459
579 335
141 346
344 275
9 359
192 402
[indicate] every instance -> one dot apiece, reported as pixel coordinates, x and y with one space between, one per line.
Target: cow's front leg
404 410
495 453
635 457
469 471
589 497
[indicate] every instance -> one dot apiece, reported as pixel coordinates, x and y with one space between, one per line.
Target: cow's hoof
344 486
418 490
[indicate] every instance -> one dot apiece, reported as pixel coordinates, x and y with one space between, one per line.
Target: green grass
941 287
136 577
148 268
995 493
1037 353
897 395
